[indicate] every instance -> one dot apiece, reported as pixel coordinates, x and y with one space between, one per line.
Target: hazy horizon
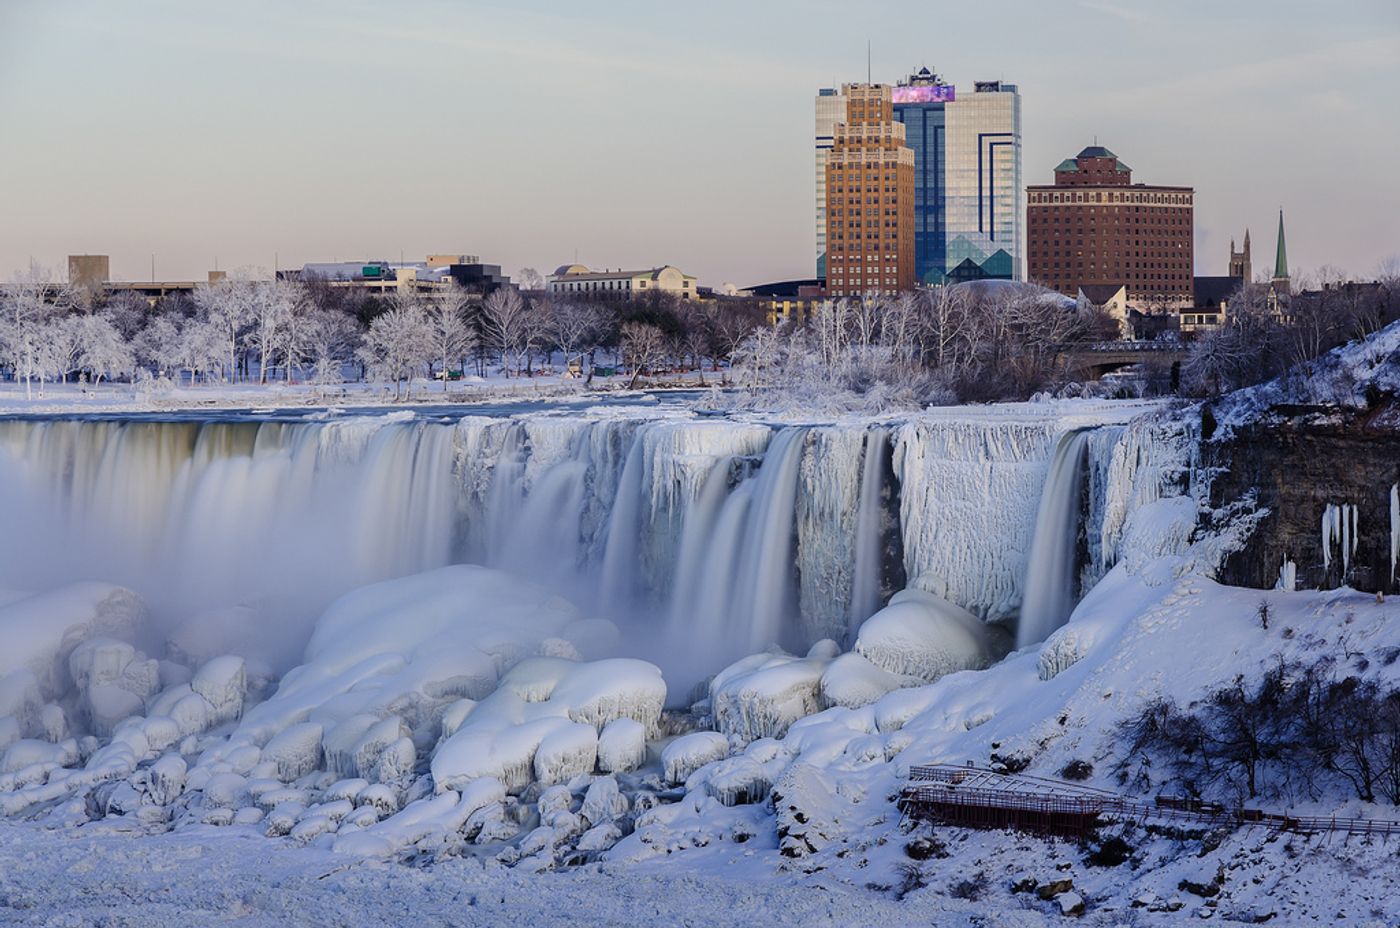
638 135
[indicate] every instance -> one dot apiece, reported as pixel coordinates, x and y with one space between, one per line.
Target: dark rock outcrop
1296 461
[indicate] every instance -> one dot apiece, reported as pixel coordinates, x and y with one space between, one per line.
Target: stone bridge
1098 358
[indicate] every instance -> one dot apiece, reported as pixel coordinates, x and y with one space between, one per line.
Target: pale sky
643 133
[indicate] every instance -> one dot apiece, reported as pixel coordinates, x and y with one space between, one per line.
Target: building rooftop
579 272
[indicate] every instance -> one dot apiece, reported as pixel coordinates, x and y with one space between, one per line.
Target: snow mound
762 695
923 636
689 753
853 681
622 746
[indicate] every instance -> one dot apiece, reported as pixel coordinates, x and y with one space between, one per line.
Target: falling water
1049 587
865 581
712 538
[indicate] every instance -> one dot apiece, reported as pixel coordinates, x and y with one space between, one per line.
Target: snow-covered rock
566 752
762 701
622 746
853 681
689 753
222 682
923 636
295 750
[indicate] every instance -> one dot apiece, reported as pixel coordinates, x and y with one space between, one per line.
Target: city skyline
319 131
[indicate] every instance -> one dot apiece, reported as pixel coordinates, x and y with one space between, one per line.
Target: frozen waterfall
1049 592
703 537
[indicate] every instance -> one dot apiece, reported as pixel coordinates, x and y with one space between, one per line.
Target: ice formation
1339 531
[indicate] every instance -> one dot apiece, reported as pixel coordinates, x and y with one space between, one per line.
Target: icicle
1394 528
1288 576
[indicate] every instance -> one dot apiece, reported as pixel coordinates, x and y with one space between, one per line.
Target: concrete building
869 198
1095 226
967 178
385 278
575 280
91 276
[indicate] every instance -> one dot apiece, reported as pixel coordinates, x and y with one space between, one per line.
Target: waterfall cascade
716 538
1049 594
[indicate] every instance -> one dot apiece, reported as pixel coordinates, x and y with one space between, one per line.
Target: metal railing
980 797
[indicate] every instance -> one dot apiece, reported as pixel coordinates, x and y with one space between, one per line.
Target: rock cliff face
1297 461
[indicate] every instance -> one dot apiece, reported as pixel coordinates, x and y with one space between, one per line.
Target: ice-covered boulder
409 648
852 681
622 746
737 781
295 750
222 682
689 753
597 692
396 762
503 732
603 802
566 752
108 704
500 750
923 636
166 779
754 700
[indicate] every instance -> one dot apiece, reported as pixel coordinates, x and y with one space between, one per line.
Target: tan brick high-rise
869 198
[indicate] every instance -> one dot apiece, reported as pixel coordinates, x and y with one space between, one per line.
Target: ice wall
714 536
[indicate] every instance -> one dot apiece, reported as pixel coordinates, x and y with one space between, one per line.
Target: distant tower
1281 282
869 198
1240 264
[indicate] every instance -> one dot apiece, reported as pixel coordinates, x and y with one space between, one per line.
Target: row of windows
1112 196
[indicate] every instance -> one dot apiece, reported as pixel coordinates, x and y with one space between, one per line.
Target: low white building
577 280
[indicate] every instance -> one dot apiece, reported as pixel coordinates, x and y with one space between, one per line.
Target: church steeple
1281 257
1240 265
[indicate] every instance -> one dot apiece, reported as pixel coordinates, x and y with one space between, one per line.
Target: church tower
1281 283
1240 264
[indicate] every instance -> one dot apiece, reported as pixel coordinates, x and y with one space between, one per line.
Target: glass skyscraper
967 178
831 109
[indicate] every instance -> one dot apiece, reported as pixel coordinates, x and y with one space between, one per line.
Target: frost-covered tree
272 306
759 354
643 348
576 329
228 304
399 345
505 320
332 338
530 279
452 337
102 351
159 347
30 302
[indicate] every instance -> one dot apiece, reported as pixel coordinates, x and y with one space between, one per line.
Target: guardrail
982 798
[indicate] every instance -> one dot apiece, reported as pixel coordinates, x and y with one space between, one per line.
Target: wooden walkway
976 797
